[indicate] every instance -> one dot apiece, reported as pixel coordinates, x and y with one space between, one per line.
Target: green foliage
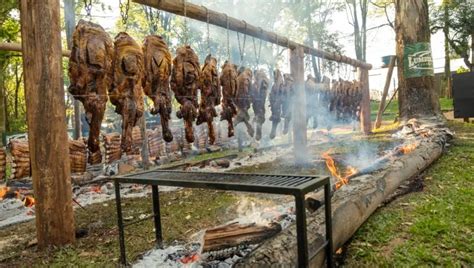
458 17
428 228
461 70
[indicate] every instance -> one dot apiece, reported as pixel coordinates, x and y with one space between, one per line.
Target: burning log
351 206
235 234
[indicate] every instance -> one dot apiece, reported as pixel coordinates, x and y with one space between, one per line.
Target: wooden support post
299 110
145 149
70 21
365 123
378 121
46 118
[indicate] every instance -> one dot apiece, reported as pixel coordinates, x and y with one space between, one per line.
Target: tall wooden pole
299 110
378 120
70 21
365 123
46 118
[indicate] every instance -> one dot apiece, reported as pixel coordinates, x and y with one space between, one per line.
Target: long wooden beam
222 20
17 47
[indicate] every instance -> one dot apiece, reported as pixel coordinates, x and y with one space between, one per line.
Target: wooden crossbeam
201 13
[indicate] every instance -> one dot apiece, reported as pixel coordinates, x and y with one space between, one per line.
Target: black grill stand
298 186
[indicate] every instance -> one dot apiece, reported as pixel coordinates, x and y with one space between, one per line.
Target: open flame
3 192
408 148
29 201
343 179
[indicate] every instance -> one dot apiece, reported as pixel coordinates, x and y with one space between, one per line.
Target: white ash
13 211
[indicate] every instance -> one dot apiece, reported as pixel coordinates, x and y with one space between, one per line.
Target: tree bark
299 111
447 60
417 96
49 153
2 103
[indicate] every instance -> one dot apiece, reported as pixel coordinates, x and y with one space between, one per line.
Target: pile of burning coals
16 203
224 245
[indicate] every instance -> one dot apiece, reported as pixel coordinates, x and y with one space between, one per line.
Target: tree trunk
447 60
2 103
417 96
41 44
17 88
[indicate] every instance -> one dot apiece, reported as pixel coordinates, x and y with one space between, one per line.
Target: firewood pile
137 140
155 143
113 151
21 159
3 163
201 135
77 156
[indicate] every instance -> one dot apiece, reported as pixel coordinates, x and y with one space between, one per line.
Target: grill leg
123 257
157 216
301 235
328 220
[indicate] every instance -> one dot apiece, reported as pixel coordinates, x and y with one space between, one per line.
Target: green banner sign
417 60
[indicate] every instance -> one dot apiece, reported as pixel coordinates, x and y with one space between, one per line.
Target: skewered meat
126 93
91 73
259 97
276 100
157 59
185 83
228 81
286 107
210 95
242 98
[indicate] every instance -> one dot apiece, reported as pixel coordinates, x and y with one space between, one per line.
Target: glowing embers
331 165
406 149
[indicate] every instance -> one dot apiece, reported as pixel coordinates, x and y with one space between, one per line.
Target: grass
433 227
193 209
391 113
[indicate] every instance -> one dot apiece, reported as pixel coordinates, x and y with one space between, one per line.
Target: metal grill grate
268 183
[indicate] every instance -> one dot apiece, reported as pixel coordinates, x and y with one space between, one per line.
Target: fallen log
351 205
235 234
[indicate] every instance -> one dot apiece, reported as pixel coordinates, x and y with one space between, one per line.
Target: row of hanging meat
337 100
121 70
